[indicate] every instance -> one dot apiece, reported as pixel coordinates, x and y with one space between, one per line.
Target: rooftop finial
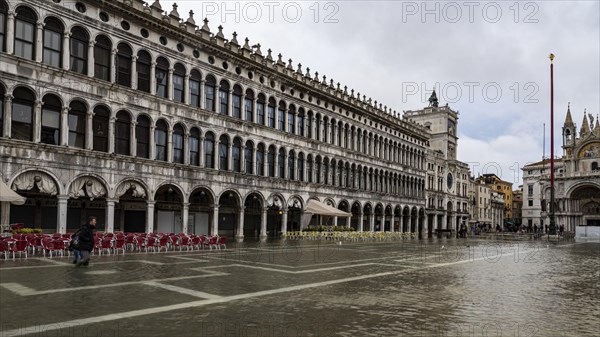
234 39
247 45
205 26
156 4
269 57
290 66
257 51
220 33
299 70
174 11
279 58
191 20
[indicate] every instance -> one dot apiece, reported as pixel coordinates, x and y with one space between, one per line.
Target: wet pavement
312 288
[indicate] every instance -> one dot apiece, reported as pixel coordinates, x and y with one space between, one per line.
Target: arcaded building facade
152 123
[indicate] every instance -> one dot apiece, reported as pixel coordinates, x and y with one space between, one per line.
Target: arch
236 101
79 50
22 114
177 143
25 32
51 120
224 87
161 133
102 58
209 150
52 41
124 55
3 23
194 84
90 186
143 65
209 92
249 105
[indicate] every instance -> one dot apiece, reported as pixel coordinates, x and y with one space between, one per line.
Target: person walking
86 241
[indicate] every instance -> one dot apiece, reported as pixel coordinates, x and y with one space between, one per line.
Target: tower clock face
449 180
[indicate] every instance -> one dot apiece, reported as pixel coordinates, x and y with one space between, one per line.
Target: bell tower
569 133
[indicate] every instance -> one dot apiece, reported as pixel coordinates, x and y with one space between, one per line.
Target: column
263 223
372 222
230 156
254 108
202 93
201 152
7 114
335 220
5 210
186 148
392 229
37 121
10 33
170 84
110 216
150 216
186 89
113 57
153 78
132 139
89 134
66 51
170 145
254 170
111 134
90 60
240 225
185 217
38 43
152 144
382 226
243 158
284 217
215 221
434 225
230 103
134 81
360 222
61 216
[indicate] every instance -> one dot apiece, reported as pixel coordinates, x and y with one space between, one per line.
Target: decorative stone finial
351 92
205 27
299 70
279 59
269 57
346 89
317 76
234 39
247 45
220 33
191 20
156 4
290 66
307 72
338 86
324 80
174 12
257 51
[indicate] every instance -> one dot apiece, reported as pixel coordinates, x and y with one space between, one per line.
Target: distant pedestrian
86 242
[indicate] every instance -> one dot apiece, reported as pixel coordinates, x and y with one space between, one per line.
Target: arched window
143 64
22 114
281 116
142 137
223 153
124 65
281 163
325 171
291 119
209 92
595 166
77 122
102 52
292 165
340 134
324 129
300 175
271 113
178 144
100 126
260 160
236 102
309 168
161 74
309 125
301 122
194 146
195 79
122 133
51 120
271 161
209 150
260 109
160 140
53 32
3 12
79 50
223 97
318 170
178 82
236 154
249 105
25 22
2 93
248 157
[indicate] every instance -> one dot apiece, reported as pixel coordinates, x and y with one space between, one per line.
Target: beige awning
8 195
316 207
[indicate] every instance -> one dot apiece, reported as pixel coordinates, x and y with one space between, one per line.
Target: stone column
392 229
5 210
7 118
240 225
372 222
360 222
152 144
37 121
186 148
202 94
111 134
185 217
132 139
89 134
150 216
113 70
134 80
254 108
284 217
66 51
230 156
91 59
201 161
38 57
215 221
10 33
230 103
170 84
169 145
263 224
153 80
243 158
61 215
186 89
110 215
434 224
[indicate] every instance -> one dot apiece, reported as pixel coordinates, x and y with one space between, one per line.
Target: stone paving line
207 299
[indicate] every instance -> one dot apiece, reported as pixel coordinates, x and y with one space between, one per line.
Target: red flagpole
552 229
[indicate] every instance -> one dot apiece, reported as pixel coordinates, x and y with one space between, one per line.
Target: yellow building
502 187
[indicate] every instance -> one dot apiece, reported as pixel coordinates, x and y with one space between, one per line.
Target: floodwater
454 287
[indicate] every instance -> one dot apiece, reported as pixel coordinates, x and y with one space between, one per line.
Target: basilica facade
152 122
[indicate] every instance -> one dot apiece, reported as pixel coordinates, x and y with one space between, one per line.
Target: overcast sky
488 60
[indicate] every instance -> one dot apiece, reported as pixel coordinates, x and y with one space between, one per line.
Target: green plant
27 231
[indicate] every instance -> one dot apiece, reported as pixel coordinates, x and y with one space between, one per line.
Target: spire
597 127
585 128
569 119
433 101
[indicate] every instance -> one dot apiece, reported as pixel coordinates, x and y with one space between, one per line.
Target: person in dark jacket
86 241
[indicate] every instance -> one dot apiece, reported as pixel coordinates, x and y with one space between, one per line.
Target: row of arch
158 76
78 126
